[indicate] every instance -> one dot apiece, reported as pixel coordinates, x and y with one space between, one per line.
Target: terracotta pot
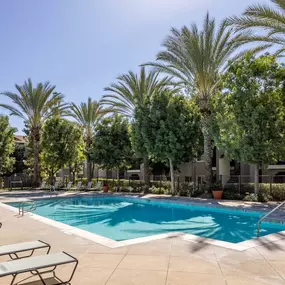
217 194
105 188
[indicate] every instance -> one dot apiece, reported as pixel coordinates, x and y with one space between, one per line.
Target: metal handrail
265 216
31 209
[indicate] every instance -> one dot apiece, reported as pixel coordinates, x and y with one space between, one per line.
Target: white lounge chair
68 187
89 185
96 188
35 264
79 185
54 187
13 250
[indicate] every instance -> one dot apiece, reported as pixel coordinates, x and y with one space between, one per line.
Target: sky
81 46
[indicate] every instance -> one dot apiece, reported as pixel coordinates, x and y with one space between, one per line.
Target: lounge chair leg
14 277
74 269
40 276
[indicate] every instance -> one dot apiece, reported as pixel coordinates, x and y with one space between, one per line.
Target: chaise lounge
38 266
13 250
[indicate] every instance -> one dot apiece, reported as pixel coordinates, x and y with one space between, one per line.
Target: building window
188 179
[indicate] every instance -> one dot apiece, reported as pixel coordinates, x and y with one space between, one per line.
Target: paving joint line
226 282
116 267
270 265
166 277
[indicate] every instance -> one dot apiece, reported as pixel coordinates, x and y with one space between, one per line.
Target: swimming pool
123 218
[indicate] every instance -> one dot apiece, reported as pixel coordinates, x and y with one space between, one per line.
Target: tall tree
34 104
20 156
268 23
131 91
111 148
196 58
87 115
61 142
170 129
251 112
7 145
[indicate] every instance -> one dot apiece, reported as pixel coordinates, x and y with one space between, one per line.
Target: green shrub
160 190
186 189
198 191
262 196
232 195
251 198
161 184
278 191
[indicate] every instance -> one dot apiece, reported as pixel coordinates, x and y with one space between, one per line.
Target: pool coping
70 230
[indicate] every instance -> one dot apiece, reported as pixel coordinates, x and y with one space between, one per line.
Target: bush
186 189
262 196
161 184
160 190
198 191
278 192
251 198
231 195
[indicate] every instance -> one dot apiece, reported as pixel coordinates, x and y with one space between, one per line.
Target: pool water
123 218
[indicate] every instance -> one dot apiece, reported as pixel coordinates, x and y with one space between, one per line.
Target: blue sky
82 45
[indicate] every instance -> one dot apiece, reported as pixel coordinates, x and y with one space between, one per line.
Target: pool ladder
22 205
265 216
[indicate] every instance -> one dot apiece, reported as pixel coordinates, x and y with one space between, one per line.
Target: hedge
277 192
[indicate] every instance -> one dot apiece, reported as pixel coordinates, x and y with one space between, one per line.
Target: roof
19 139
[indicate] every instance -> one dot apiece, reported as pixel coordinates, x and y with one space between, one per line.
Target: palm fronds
131 89
196 57
34 104
261 17
87 115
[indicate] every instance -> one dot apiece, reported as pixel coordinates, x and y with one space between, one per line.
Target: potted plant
217 190
105 187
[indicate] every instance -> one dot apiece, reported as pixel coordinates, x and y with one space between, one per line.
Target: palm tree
87 115
196 58
34 105
130 92
270 19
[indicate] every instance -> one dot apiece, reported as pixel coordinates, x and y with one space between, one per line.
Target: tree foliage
87 115
168 127
196 58
61 144
20 156
35 104
7 145
111 148
266 18
129 92
132 90
251 111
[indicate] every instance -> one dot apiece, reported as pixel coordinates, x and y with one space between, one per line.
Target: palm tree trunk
89 163
256 179
36 143
89 170
69 172
208 149
172 177
146 173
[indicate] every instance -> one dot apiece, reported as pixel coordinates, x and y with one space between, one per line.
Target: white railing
22 209
265 216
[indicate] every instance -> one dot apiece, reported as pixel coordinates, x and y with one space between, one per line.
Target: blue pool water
123 218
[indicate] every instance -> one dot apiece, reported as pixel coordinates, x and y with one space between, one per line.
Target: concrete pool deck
169 261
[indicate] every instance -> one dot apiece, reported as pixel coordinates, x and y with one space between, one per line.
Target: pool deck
168 261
